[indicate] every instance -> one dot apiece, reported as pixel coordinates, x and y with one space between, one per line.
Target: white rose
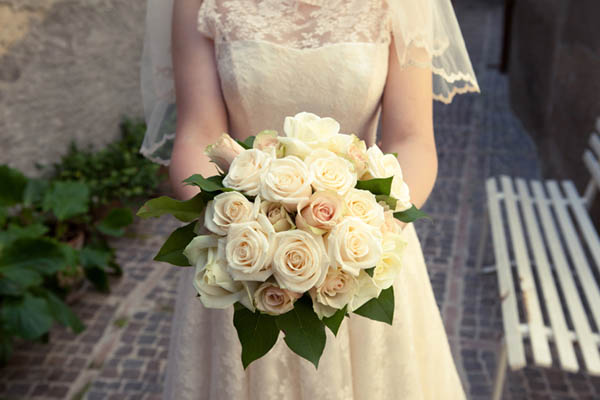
273 300
330 172
354 245
249 248
334 293
389 266
306 132
390 223
383 166
246 169
363 204
211 280
228 208
367 290
287 180
356 152
401 193
277 215
300 261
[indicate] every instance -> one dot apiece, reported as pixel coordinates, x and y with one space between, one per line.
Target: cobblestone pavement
123 352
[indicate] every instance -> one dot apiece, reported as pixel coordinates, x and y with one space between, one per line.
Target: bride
242 66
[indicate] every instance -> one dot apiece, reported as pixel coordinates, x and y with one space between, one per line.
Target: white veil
426 34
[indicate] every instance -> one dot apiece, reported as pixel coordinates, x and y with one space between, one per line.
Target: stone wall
69 70
555 79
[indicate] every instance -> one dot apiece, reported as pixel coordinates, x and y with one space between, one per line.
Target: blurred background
92 320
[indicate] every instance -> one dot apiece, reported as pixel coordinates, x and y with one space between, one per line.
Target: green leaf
34 191
334 322
389 200
381 308
115 222
257 332
40 254
211 184
304 331
14 232
172 251
98 277
67 199
5 347
62 313
376 186
370 271
22 278
3 215
12 186
94 258
248 143
28 317
184 211
410 215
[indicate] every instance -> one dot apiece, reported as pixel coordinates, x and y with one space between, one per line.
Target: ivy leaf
381 308
257 332
67 199
115 222
211 184
377 186
185 211
248 143
304 331
28 317
410 215
12 186
42 255
334 322
172 250
62 313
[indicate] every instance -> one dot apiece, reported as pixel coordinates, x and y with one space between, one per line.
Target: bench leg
482 242
500 373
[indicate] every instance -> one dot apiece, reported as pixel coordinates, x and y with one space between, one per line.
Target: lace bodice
330 57
299 24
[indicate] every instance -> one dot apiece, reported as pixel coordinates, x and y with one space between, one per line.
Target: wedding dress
329 57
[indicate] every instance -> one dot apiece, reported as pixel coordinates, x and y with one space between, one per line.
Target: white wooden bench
544 241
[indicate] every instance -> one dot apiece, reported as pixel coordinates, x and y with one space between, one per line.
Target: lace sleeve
426 34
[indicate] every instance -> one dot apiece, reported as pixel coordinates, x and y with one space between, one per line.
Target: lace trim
149 151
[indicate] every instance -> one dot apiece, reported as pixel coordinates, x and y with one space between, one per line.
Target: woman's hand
407 125
201 112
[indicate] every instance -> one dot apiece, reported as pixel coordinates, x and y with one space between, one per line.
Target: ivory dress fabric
275 59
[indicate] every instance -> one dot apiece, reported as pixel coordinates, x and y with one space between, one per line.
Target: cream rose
367 290
266 140
228 208
249 248
246 169
389 266
354 245
334 293
211 280
223 152
277 215
305 131
383 166
357 154
363 204
390 223
329 172
300 261
287 180
320 213
273 300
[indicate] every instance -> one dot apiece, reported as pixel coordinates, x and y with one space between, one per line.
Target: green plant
40 221
115 173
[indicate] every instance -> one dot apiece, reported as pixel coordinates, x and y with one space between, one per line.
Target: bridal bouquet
296 232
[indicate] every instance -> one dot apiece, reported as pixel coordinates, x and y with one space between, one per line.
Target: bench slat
512 333
576 310
560 331
584 221
539 342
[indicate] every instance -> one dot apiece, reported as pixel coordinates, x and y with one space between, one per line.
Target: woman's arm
407 125
201 114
